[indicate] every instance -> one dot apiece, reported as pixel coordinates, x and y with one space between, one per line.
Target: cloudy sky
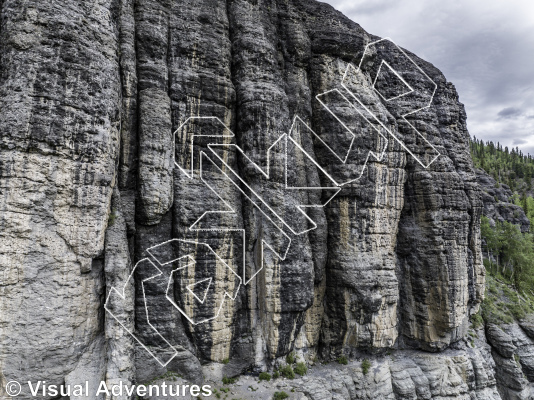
485 47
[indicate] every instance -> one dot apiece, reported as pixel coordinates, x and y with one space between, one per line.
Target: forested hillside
507 246
507 166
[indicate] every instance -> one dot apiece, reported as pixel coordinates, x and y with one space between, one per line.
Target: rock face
60 125
99 189
497 200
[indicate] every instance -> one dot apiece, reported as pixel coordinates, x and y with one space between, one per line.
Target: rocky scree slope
90 95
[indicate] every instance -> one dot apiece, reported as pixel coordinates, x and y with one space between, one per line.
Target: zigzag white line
398 76
404 94
192 262
285 137
123 297
377 156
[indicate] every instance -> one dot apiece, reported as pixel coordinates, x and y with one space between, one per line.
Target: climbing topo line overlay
414 85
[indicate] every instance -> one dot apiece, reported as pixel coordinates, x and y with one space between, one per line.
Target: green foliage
502 304
167 376
280 396
366 365
287 372
290 358
228 381
513 251
342 360
509 253
527 203
226 361
276 374
112 217
265 376
511 167
477 321
301 369
225 390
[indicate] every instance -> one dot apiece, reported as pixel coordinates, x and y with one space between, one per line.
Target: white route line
403 116
398 76
267 175
122 296
190 289
212 147
377 156
192 262
281 256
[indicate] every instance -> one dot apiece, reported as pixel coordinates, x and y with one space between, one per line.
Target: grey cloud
367 7
509 113
487 55
520 141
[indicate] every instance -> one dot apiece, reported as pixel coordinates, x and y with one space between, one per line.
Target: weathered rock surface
59 141
461 373
500 341
91 95
497 200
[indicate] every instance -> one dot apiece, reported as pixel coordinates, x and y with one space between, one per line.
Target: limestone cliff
99 100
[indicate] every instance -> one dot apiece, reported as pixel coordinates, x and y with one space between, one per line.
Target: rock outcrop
498 202
99 103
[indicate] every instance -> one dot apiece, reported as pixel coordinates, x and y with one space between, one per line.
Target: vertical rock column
154 178
59 122
128 70
121 225
128 158
201 86
285 288
439 261
155 128
295 53
118 267
361 288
